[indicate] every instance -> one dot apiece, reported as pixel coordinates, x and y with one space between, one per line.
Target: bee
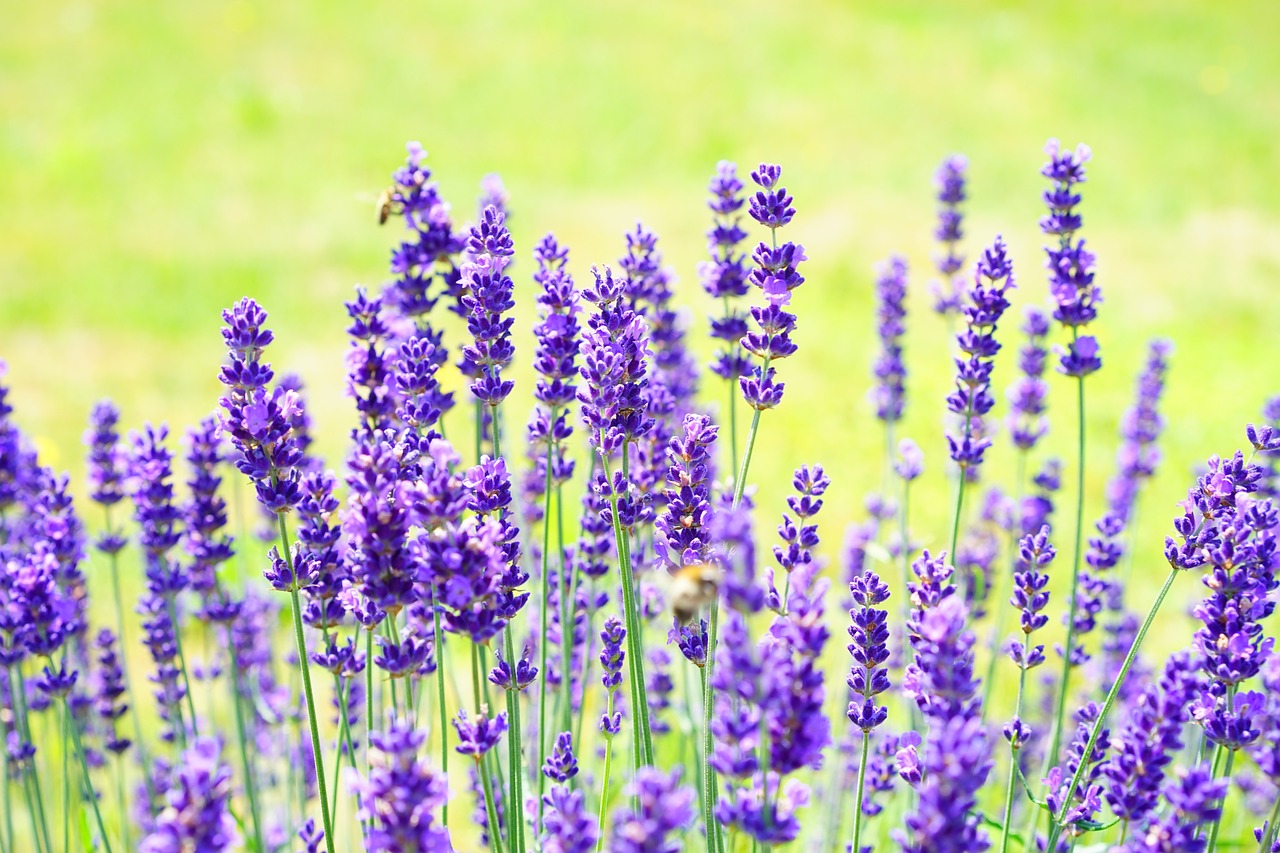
692 588
384 206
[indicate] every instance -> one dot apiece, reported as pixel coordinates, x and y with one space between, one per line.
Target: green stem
19 690
1051 757
486 784
710 793
182 662
305 669
515 760
857 797
444 711
643 745
544 583
1013 750
1056 827
1019 487
604 787
122 794
1217 822
66 777
568 602
8 800
88 782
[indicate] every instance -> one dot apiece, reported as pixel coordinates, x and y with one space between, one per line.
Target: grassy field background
158 161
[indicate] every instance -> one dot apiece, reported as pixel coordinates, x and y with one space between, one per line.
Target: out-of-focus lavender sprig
1027 421
950 179
1150 742
1140 429
724 277
663 808
889 371
197 814
401 793
799 537
1078 801
1193 796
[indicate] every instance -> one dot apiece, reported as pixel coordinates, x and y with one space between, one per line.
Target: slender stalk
1217 822
545 585
568 602
1056 827
1019 487
444 710
857 797
1013 750
486 784
8 800
19 690
88 782
66 778
305 669
710 793
515 761
122 795
1064 684
643 745
182 662
121 633
604 787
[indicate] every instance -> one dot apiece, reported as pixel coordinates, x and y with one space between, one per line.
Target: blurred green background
160 160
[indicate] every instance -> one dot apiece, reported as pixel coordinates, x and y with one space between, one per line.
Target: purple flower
956 759
612 656
206 519
370 363
105 468
663 809
196 814
566 825
1150 741
950 181
1194 797
1086 798
1070 264
561 766
111 690
1027 422
401 794
429 251
488 296
1031 595
1138 456
870 632
889 371
258 421
525 672
376 523
685 522
799 538
615 350
775 273
910 462
479 735
724 277
972 398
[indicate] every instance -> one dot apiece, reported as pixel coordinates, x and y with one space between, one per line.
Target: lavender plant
497 631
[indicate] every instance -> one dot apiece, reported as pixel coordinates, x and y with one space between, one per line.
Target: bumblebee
692 588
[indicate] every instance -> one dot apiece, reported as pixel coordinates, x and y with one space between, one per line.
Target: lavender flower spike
401 794
776 274
664 808
950 180
1070 264
889 371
